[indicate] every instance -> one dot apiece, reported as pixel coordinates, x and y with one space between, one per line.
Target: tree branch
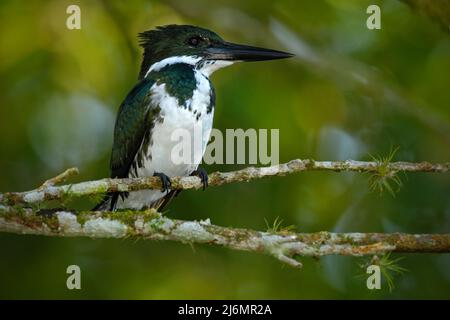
151 225
49 191
17 215
60 178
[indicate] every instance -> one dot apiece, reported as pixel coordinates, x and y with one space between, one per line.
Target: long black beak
238 52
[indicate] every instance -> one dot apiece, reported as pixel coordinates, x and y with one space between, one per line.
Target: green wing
132 130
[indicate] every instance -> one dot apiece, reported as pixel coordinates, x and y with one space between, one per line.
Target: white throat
206 67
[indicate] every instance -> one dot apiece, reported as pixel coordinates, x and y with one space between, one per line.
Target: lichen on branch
285 246
19 214
49 191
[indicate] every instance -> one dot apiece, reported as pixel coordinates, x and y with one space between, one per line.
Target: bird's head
197 46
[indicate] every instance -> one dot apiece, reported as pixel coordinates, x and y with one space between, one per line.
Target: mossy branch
48 191
285 246
18 214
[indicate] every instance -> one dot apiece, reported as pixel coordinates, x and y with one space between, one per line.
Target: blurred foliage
438 11
350 92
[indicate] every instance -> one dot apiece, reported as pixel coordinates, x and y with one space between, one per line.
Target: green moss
10 199
347 239
25 217
309 163
127 217
11 214
244 176
239 235
160 224
242 236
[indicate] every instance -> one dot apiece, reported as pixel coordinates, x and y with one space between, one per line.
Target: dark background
348 93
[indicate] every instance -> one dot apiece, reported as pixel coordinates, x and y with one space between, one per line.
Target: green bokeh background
348 93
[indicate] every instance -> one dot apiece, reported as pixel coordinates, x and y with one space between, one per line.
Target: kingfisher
173 93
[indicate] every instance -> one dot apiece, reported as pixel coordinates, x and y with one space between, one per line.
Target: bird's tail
161 203
108 203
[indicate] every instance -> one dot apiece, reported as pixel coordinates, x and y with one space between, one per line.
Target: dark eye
195 41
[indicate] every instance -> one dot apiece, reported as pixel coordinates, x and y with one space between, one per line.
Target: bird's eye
195 41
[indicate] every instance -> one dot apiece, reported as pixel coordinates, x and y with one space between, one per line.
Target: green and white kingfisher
173 92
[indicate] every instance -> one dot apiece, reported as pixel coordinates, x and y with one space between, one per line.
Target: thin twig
62 177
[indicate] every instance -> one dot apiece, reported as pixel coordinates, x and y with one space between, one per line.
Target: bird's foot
48 213
203 175
165 181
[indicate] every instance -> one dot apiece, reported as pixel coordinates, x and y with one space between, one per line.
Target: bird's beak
238 52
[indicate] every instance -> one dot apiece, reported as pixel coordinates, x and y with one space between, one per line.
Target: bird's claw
48 213
203 175
165 181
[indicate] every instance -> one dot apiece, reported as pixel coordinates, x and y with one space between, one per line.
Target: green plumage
180 81
138 115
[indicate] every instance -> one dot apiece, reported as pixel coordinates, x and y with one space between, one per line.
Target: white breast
193 117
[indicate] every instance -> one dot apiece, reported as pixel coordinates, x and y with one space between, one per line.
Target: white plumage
192 118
